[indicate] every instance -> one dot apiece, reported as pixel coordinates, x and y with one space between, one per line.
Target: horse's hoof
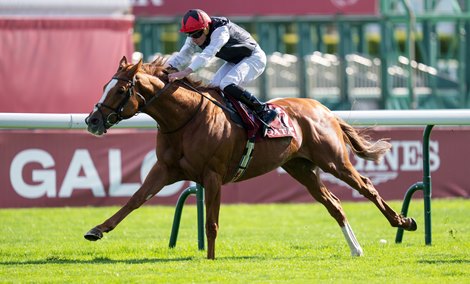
357 252
93 234
413 226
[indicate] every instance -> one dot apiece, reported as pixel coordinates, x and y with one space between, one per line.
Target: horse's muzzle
95 124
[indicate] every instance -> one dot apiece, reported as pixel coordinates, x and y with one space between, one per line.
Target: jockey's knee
227 82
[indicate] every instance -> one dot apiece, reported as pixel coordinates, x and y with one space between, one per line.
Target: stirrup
267 116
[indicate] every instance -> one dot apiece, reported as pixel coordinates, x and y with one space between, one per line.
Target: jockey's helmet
194 20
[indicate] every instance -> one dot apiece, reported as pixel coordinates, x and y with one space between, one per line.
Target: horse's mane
156 68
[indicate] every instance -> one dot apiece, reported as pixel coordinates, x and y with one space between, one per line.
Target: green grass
295 243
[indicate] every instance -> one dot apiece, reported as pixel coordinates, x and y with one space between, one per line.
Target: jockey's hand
179 75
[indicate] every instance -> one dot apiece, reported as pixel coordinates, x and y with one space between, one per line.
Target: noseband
116 113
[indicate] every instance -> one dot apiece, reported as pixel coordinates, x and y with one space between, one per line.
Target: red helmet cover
194 20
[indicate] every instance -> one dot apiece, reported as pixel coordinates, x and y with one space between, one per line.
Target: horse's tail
361 144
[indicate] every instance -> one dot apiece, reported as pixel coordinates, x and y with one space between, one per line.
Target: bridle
115 116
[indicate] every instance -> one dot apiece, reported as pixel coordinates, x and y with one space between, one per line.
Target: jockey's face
200 40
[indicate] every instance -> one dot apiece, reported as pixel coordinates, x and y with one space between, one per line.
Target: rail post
425 185
198 190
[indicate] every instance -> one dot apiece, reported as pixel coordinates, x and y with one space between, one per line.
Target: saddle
256 129
245 117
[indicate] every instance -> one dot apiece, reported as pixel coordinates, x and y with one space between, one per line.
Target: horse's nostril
92 121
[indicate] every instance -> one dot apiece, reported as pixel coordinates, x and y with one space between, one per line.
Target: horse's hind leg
345 171
304 171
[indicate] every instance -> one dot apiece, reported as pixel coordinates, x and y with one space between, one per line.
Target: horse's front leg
212 185
156 179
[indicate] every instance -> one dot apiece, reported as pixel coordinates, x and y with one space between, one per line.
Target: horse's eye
121 91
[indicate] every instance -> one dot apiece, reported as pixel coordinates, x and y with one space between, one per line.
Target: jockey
219 37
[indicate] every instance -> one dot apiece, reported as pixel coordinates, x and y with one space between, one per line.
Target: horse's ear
122 63
135 68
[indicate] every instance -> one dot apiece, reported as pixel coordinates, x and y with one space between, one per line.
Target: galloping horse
198 141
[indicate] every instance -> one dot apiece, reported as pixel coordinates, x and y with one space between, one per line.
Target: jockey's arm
181 59
219 38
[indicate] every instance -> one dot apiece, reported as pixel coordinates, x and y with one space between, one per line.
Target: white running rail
143 121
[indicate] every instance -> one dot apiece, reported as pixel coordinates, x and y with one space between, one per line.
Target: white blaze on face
110 85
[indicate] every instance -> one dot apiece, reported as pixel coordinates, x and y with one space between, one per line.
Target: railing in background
143 121
363 83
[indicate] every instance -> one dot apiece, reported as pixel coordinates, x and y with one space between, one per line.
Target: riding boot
261 109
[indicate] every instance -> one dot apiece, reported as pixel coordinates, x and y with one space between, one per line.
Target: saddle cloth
280 127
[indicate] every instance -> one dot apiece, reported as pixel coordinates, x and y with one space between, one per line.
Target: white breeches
241 73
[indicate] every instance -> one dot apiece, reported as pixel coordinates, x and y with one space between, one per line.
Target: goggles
196 34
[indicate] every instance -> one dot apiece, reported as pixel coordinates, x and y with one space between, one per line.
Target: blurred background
348 54
56 56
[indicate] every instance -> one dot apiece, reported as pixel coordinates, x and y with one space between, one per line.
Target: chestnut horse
198 141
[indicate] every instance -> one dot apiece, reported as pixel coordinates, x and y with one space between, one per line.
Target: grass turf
295 243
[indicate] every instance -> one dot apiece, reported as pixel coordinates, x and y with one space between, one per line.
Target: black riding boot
261 109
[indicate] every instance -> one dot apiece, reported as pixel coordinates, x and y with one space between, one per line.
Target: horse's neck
173 108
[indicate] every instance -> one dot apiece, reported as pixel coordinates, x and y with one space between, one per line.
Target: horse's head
120 100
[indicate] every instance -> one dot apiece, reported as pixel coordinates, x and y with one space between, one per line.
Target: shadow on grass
97 260
240 258
105 260
444 261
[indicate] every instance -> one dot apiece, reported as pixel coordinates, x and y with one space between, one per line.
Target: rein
116 113
157 95
163 90
199 106
210 99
